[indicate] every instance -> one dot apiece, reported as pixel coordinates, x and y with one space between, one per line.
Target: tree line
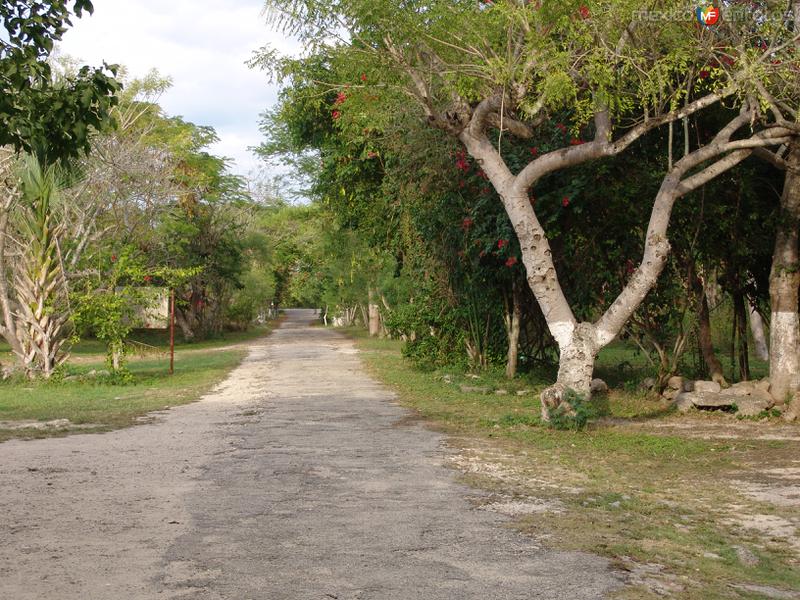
530 180
106 202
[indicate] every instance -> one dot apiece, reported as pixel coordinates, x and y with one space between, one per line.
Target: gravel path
297 479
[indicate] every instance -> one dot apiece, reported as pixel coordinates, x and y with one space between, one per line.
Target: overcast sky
202 45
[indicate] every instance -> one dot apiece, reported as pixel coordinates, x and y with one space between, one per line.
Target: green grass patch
101 405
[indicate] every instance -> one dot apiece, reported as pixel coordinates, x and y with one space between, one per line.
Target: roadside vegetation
673 500
88 397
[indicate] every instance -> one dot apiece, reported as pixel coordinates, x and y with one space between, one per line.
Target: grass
99 404
624 488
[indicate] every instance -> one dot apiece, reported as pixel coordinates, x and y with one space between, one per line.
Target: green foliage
51 117
573 413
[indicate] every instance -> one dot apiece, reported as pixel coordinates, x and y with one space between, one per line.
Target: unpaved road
297 479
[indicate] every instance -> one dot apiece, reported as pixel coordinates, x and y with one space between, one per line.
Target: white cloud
202 45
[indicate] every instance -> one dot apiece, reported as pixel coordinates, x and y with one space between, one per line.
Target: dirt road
297 479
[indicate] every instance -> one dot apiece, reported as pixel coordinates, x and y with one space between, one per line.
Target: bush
576 419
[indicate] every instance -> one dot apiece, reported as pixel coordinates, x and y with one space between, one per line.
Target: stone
671 394
707 386
648 384
501 392
748 386
763 384
688 385
746 556
524 392
598 386
739 391
712 400
748 406
684 402
764 396
675 382
474 389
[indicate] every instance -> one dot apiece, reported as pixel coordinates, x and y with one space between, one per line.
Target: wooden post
172 332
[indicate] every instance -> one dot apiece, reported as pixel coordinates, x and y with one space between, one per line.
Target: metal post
172 332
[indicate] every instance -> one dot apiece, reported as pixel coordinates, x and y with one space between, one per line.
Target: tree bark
374 314
740 309
704 338
759 336
784 286
513 318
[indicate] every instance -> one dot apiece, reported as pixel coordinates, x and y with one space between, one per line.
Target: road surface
297 479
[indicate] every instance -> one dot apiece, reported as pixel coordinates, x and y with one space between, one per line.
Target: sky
203 46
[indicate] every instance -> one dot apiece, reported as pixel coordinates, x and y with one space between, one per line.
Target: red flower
561 127
482 254
336 114
704 74
576 142
512 260
462 164
565 201
482 175
364 77
371 154
584 10
535 150
148 279
484 190
340 98
467 223
502 243
113 258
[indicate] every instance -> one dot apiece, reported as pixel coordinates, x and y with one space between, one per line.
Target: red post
172 332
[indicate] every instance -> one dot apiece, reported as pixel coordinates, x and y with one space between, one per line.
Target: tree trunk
374 315
706 343
575 368
759 337
740 308
513 318
784 286
704 338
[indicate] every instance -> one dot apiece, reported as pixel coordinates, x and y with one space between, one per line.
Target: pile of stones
747 398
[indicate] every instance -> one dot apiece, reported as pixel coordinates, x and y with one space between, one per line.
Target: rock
473 376
501 392
675 382
747 386
524 392
447 379
739 391
707 386
648 384
688 385
473 389
748 406
764 396
598 386
671 394
746 556
711 400
765 591
684 402
764 384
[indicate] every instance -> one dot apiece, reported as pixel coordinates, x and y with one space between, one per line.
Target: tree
484 71
51 117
